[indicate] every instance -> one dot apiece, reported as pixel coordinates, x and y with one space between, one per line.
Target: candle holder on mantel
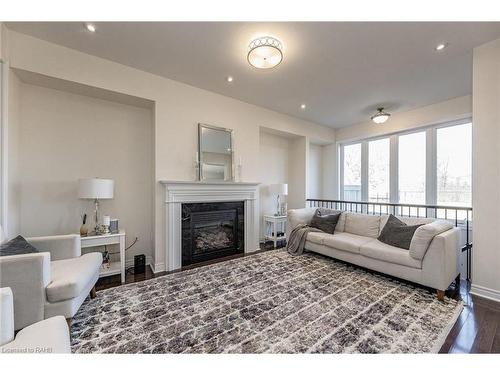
197 168
239 171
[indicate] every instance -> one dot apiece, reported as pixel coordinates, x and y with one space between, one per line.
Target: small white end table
274 225
117 267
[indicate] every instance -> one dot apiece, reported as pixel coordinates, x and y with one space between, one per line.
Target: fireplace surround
178 193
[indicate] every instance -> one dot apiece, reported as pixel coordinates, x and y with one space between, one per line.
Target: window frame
430 163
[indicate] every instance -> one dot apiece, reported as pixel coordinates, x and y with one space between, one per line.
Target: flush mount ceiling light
380 117
441 46
229 79
90 27
303 106
265 52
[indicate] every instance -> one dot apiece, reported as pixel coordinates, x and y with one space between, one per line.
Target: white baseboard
484 292
158 267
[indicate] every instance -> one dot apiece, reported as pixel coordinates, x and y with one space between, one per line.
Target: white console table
274 224
115 268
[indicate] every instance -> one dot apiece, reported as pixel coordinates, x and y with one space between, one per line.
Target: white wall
178 110
448 110
298 172
274 167
486 170
64 137
315 172
330 179
13 162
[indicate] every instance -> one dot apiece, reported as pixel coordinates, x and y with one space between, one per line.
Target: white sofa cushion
341 223
362 224
317 237
387 253
424 235
71 276
345 241
47 336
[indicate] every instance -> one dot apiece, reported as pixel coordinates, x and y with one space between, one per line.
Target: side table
117 267
275 228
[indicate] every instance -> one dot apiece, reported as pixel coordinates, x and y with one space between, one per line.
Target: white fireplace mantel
178 192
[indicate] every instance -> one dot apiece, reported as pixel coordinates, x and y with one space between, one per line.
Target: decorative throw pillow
17 246
397 233
325 223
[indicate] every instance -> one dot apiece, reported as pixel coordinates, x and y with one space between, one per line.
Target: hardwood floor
477 330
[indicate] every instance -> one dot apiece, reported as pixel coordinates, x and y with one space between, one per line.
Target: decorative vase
84 230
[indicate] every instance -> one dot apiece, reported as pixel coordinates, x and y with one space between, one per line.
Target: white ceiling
342 71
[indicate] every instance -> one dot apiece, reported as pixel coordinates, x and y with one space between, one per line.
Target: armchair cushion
71 276
60 247
6 316
3 238
47 336
17 246
27 275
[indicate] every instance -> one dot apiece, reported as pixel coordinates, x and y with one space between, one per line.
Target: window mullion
431 169
341 174
364 171
394 170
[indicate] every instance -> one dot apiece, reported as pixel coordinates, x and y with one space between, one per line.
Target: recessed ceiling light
90 27
380 117
265 52
441 46
229 79
302 106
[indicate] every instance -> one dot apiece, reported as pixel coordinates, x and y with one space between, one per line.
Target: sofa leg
93 293
440 295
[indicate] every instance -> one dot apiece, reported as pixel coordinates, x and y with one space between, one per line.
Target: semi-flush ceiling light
265 52
90 27
441 46
380 117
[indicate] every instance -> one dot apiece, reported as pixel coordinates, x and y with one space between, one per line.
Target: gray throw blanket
295 244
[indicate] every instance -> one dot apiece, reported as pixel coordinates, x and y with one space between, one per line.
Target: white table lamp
278 189
95 189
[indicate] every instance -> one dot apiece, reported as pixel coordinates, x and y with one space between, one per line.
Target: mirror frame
200 153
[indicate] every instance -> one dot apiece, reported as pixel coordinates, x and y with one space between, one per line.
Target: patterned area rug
269 302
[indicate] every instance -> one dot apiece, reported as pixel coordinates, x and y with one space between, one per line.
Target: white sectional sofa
432 260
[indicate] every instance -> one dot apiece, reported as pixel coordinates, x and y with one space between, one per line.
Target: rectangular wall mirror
215 146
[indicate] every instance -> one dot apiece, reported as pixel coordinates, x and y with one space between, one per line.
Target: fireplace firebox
211 230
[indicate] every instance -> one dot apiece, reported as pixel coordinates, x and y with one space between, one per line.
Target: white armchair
47 336
53 282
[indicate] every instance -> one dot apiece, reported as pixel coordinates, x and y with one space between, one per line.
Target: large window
378 170
431 166
411 168
454 165
352 172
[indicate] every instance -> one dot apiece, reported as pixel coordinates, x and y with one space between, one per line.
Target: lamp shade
95 188
279 189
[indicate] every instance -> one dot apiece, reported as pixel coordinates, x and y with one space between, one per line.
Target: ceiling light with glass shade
265 52
380 117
